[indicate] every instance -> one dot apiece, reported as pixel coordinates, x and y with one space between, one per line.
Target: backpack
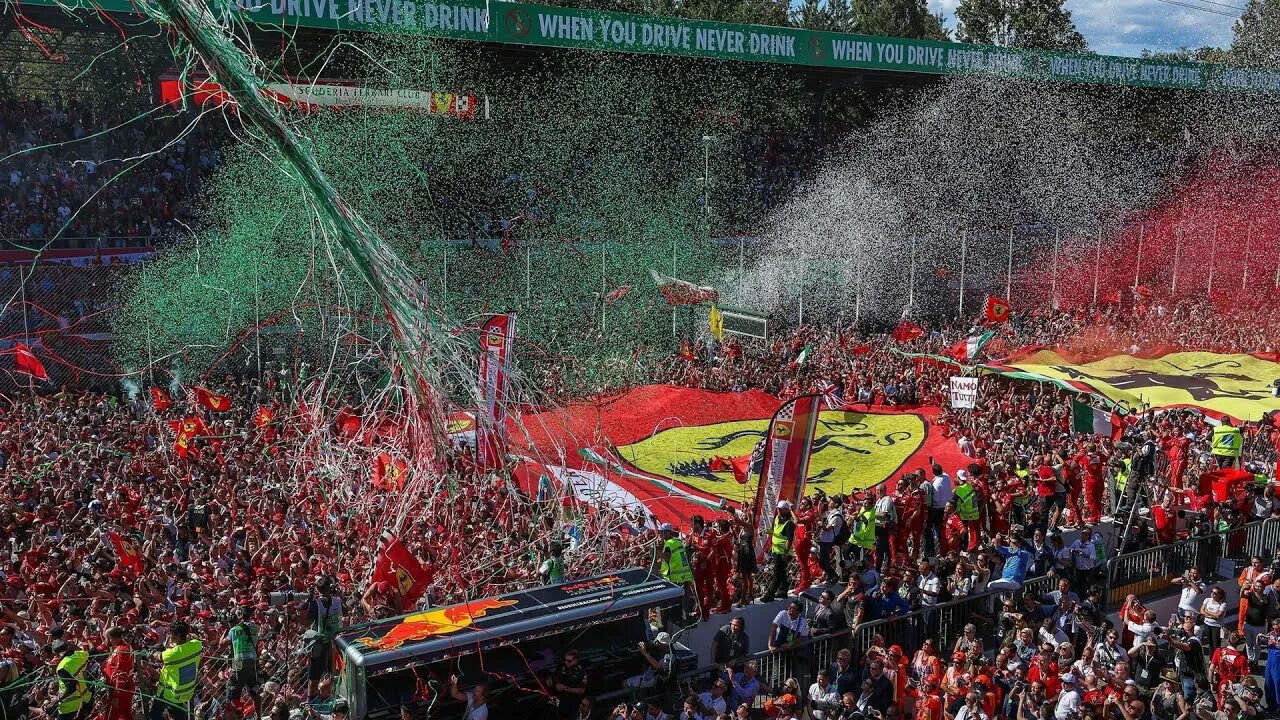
842 535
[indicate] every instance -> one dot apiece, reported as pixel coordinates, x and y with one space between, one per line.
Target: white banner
461 105
964 393
595 489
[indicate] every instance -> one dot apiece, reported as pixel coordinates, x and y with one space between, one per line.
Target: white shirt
825 702
798 627
931 583
1085 553
1211 604
964 714
884 506
1068 704
1189 602
1140 633
942 491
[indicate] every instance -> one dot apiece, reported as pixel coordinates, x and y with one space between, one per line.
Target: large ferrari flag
496 337
786 463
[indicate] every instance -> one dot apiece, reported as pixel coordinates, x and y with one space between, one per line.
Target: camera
1193 515
276 599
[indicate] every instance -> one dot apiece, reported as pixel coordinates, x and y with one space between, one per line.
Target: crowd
247 533
71 171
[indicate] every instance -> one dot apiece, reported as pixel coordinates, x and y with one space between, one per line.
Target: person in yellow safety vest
179 669
781 538
863 537
966 497
1023 495
1228 444
74 699
674 565
1122 471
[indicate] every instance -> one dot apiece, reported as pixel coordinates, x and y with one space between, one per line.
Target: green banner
523 24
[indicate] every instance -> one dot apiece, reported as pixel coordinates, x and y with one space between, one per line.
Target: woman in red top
805 517
118 675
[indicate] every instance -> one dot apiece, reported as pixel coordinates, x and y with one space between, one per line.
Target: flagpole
1008 273
1248 242
1137 265
673 274
604 290
1177 255
1097 263
742 265
911 282
1213 255
964 247
1053 280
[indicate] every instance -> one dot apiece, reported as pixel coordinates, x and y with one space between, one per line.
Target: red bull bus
511 643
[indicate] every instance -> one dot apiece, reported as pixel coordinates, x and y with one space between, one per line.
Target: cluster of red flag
398 567
185 432
127 553
906 331
389 473
27 362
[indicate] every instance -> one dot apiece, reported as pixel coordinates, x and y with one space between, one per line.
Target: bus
510 642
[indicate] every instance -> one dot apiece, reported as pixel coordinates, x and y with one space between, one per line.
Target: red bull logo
592 584
432 623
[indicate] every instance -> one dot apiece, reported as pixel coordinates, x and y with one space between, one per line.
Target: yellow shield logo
851 451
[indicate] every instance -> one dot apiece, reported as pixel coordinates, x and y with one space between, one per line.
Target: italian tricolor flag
1086 418
967 350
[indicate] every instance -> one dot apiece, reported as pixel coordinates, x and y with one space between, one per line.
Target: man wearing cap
781 542
1069 699
243 641
655 668
966 499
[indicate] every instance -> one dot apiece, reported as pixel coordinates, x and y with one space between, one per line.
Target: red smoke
1220 222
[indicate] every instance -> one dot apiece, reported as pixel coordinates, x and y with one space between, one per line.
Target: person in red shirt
700 543
118 675
929 703
805 518
1175 448
1095 466
1228 665
722 552
902 502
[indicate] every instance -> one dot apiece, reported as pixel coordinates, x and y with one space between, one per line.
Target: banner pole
1177 255
1053 279
911 281
1213 255
1008 273
964 247
1097 262
1248 243
673 274
604 290
1137 264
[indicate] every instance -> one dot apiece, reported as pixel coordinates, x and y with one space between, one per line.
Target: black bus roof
441 632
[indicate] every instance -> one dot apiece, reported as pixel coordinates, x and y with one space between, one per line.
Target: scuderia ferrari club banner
786 463
496 336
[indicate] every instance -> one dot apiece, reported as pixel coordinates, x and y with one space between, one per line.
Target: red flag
389 474
160 399
127 553
860 350
28 363
997 309
347 423
686 351
212 400
186 431
264 416
906 331
397 566
742 468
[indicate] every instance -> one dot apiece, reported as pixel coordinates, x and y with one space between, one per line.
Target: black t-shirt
1191 662
729 646
1256 612
574 677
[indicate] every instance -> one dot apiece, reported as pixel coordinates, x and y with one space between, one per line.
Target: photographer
824 699
1188 656
324 612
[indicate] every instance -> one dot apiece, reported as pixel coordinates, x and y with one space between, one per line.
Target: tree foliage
1030 24
1257 35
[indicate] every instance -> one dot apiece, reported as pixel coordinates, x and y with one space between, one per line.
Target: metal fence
1154 569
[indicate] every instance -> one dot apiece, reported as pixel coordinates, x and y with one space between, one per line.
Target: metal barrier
1154 569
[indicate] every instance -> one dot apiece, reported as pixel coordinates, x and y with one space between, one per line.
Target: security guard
781 541
1228 443
675 565
966 496
74 700
179 667
863 537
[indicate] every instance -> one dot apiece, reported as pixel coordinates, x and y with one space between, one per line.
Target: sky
1126 27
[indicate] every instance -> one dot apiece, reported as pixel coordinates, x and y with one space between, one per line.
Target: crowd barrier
1142 573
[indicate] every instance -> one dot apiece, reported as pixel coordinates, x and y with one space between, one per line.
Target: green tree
1257 38
1032 24
829 15
898 18
1204 54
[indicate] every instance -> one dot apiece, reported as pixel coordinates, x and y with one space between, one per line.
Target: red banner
496 336
786 464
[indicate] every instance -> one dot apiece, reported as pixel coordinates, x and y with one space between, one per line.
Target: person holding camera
243 638
179 668
824 699
1188 655
972 708
324 612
